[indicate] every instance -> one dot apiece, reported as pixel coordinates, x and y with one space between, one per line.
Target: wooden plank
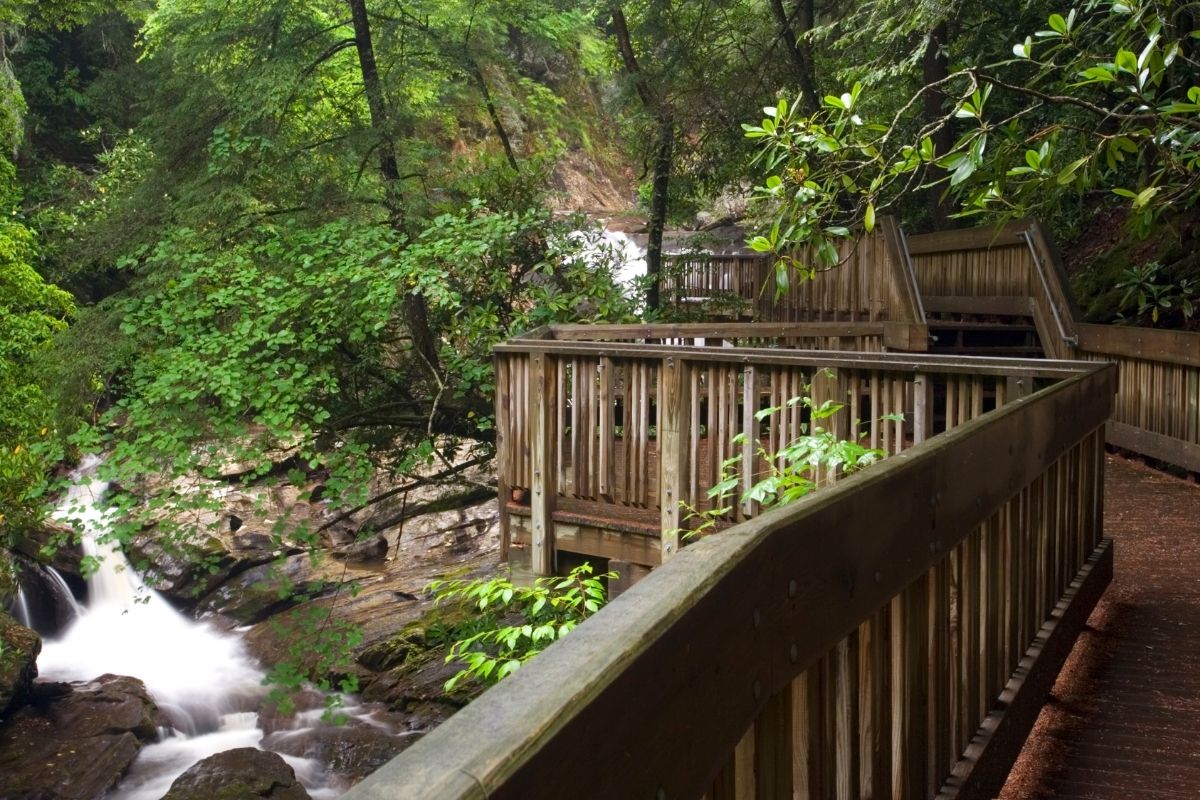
712 330
1152 344
762 602
773 747
993 750
1155 445
905 336
966 239
673 436
504 469
1007 306
542 431
897 362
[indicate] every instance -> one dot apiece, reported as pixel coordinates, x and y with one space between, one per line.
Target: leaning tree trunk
416 310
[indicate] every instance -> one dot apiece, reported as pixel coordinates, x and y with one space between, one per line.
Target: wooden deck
1123 715
895 634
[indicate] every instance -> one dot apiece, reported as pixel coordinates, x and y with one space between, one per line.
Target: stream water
203 680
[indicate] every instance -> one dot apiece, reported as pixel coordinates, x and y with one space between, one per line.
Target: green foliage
1117 80
1154 298
512 623
319 647
32 312
792 472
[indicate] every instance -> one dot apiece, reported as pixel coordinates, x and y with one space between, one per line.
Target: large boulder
74 742
19 648
242 774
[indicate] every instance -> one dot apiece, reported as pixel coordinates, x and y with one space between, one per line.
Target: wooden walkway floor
1124 718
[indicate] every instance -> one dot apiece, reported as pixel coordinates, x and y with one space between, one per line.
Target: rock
19 648
183 572
351 751
363 549
242 774
265 590
110 704
74 742
9 579
54 544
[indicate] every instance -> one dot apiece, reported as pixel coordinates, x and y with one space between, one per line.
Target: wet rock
242 774
352 751
74 742
54 544
9 583
184 571
110 704
19 648
262 591
418 680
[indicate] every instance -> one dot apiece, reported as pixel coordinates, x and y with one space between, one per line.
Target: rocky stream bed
85 713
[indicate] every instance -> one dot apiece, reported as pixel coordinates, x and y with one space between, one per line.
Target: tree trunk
493 114
663 161
664 153
799 53
935 67
416 310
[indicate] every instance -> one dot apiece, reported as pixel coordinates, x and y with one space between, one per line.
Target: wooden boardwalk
1124 714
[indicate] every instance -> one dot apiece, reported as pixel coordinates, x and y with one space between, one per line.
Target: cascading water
205 682
20 608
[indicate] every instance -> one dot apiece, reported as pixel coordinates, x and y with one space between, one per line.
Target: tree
1102 100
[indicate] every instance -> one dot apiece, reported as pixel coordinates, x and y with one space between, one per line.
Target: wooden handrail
649 698
893 362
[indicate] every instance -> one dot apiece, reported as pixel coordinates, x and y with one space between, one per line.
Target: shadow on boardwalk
1124 715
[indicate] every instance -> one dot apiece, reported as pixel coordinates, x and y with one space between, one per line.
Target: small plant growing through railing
511 624
793 471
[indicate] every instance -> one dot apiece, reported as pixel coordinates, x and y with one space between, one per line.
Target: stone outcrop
75 741
242 774
19 648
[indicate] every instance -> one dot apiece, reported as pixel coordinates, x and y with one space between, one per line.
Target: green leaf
869 218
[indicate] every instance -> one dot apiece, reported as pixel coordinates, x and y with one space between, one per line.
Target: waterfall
195 673
61 591
205 682
20 608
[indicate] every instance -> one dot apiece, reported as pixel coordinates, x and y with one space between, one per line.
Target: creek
208 689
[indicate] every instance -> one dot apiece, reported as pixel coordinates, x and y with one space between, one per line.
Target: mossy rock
9 585
19 648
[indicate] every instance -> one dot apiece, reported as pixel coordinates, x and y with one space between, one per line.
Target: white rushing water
21 609
203 679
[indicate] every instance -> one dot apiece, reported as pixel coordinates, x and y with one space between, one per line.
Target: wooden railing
1157 409
890 636
603 446
1010 270
871 283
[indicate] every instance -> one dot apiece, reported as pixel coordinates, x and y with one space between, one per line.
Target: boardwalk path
1124 719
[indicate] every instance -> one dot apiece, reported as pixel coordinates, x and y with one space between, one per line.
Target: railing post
503 460
673 403
543 426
